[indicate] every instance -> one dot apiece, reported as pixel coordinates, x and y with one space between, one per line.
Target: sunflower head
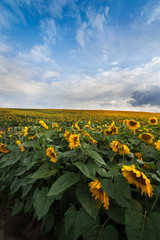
138 178
74 141
138 155
52 154
67 135
119 147
43 124
157 145
18 142
89 138
146 137
25 131
100 196
132 124
153 121
3 148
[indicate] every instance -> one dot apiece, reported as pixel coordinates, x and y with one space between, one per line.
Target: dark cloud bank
151 96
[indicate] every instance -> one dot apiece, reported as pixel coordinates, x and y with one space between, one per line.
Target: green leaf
41 202
117 213
119 190
63 182
141 226
77 223
88 171
93 154
44 171
88 202
30 144
17 207
47 223
109 233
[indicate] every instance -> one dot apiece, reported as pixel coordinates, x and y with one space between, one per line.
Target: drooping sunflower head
67 135
22 148
43 124
100 196
153 121
18 142
52 154
132 124
89 138
138 155
74 141
25 131
138 178
3 148
146 137
119 147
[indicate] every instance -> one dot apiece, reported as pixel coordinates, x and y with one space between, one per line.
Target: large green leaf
141 225
109 233
87 170
63 182
88 202
77 223
41 202
17 207
44 171
93 154
119 190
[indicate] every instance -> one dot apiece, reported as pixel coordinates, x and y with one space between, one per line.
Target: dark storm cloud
151 96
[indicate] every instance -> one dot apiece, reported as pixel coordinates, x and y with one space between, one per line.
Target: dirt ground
18 227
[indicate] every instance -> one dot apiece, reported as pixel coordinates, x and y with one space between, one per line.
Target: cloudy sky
81 54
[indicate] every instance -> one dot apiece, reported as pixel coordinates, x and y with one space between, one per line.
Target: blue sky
80 54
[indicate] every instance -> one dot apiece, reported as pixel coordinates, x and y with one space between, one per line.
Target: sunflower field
91 175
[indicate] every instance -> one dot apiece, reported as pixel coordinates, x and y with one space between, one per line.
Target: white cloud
83 34
37 54
49 31
154 15
51 74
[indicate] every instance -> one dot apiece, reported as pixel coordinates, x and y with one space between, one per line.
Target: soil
19 227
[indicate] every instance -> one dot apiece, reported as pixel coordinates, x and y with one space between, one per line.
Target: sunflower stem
154 204
102 228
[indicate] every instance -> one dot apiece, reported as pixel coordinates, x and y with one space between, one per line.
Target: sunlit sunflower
138 178
52 154
76 125
74 141
25 131
153 121
89 138
3 148
67 135
54 125
132 124
22 148
18 142
157 145
100 196
138 155
43 124
146 137
119 147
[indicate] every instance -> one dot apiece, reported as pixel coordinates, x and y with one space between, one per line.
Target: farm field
83 174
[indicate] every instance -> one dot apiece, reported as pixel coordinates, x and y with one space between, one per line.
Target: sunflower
22 149
18 142
157 145
132 124
119 147
43 124
25 131
100 196
52 154
138 178
74 141
3 148
153 121
67 135
89 138
54 125
146 137
138 155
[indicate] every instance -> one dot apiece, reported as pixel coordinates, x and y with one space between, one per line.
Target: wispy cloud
49 30
154 14
95 23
